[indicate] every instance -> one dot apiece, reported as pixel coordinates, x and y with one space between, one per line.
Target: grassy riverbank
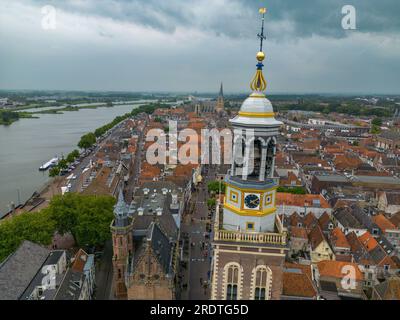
8 117
73 108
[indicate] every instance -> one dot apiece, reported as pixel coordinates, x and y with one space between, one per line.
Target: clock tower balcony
277 238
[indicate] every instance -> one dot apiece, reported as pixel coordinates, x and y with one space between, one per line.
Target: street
104 274
198 244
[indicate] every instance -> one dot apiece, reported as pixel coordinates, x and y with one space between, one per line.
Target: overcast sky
193 45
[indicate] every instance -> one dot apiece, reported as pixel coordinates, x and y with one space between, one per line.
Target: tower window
250 226
259 294
231 292
234 196
268 199
232 282
262 280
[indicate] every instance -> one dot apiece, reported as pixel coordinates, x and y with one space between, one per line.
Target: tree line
350 108
87 218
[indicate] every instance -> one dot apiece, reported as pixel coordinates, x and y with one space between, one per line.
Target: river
28 143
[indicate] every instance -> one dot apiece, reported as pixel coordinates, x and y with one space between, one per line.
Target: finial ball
260 56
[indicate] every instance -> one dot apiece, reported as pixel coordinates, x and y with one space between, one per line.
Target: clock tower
249 244
250 185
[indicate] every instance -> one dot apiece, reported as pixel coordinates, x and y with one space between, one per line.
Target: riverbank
9 117
26 145
46 137
72 108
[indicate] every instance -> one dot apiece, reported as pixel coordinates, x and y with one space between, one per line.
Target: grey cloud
214 41
236 17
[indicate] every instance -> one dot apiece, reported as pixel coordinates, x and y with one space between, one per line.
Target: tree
377 122
87 218
63 164
72 156
87 140
211 202
36 227
214 186
375 129
54 172
293 190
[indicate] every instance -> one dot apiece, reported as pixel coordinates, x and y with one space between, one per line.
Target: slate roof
359 252
157 243
389 289
361 215
346 219
71 286
18 270
150 203
161 247
393 198
48 294
390 135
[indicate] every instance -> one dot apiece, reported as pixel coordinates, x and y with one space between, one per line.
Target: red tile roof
298 232
336 269
338 239
368 241
316 236
80 260
310 220
383 222
297 281
300 200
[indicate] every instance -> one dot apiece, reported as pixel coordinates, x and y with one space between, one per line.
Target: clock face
252 201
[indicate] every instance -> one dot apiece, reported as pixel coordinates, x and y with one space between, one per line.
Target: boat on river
49 164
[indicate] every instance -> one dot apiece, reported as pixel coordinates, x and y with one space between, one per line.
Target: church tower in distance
121 231
220 101
249 238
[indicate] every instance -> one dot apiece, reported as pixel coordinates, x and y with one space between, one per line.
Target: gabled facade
319 247
151 275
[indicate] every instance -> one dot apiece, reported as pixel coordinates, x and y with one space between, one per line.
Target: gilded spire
258 83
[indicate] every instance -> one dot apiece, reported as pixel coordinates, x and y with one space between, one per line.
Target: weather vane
258 84
261 35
